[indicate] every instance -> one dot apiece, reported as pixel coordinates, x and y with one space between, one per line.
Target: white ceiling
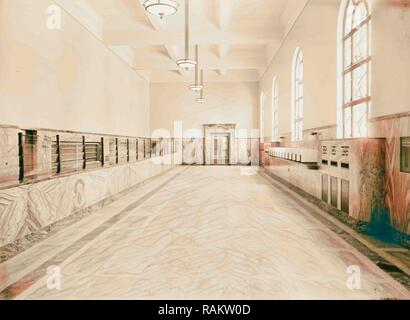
236 38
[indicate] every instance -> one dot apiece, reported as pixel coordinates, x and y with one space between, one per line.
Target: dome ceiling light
197 86
201 98
186 63
161 8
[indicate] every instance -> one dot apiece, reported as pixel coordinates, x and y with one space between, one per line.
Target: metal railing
44 156
73 156
37 157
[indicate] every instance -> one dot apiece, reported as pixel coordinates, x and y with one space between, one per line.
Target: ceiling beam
208 62
171 49
225 8
161 76
203 37
224 18
223 50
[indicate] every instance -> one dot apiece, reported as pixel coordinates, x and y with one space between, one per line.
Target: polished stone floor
199 233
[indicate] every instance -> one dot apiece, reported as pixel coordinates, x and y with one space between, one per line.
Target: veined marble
296 174
212 233
9 161
397 184
29 208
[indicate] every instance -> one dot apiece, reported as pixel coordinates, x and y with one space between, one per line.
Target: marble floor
198 233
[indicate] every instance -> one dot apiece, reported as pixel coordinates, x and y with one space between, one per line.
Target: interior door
220 149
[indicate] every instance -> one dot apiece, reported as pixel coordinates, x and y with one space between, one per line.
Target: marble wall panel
193 151
367 177
297 174
243 151
396 183
28 208
13 214
9 162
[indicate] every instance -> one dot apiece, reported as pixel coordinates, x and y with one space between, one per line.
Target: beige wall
65 79
316 33
390 59
233 103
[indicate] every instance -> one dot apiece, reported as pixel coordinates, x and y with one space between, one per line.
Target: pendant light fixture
186 63
161 8
196 86
201 98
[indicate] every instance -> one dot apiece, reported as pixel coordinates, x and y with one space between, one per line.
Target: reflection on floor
206 233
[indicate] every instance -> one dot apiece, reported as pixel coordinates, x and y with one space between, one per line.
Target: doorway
219 144
220 149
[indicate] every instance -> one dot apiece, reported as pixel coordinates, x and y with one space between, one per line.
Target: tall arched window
297 96
356 60
262 118
275 107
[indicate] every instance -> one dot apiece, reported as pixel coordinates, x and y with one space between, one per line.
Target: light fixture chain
202 83
197 65
186 29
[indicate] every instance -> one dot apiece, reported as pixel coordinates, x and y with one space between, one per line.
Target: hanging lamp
196 86
201 98
186 63
161 8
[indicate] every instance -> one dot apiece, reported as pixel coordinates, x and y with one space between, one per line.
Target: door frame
227 135
210 129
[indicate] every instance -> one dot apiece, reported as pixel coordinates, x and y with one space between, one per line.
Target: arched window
297 96
355 56
262 117
275 106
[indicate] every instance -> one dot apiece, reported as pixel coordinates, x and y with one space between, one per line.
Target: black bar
102 152
84 155
21 157
128 150
58 154
116 150
202 309
136 141
204 151
145 148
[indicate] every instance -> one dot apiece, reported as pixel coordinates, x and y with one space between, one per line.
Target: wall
390 58
62 79
227 103
65 79
29 208
316 33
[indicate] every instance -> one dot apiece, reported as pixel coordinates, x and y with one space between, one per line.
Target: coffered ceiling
236 38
